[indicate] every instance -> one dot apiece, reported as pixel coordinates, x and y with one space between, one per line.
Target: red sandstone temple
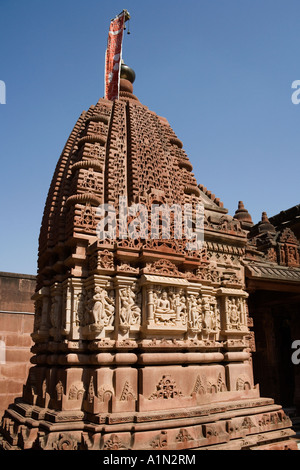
142 344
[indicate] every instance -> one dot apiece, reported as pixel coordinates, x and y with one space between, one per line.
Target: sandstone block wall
16 325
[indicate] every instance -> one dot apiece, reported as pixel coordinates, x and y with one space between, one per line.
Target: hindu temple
141 343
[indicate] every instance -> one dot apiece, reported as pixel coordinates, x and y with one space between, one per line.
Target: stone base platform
253 424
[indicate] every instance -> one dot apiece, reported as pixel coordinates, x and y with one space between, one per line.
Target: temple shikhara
141 343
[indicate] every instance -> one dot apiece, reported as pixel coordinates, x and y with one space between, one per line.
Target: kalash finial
127 72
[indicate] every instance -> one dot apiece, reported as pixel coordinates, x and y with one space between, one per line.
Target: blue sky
220 71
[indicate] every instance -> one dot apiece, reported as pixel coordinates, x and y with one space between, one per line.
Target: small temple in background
143 344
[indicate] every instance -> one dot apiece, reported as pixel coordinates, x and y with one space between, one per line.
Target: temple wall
16 325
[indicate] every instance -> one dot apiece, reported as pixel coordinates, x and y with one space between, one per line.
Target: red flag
113 57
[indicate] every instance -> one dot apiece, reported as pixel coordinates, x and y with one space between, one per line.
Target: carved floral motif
184 436
160 441
166 388
114 443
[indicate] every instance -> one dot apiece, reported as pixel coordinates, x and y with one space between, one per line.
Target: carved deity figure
54 313
207 316
292 257
38 314
163 305
170 306
236 314
130 312
80 308
103 308
194 313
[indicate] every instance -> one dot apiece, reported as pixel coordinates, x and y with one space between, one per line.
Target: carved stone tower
140 343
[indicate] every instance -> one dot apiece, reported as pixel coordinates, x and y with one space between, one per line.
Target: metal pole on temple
113 56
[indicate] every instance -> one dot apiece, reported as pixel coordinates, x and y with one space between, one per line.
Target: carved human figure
181 308
163 304
207 316
103 308
194 312
213 316
59 391
138 303
282 254
292 255
38 314
234 312
54 313
125 311
80 309
130 311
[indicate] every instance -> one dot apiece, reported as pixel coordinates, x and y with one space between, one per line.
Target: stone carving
169 306
127 393
203 385
91 181
114 443
166 388
194 313
80 308
264 420
184 436
208 273
229 225
91 391
209 314
55 316
126 267
163 267
87 218
243 383
65 441
105 393
210 430
100 308
102 260
232 427
160 441
288 236
203 315
247 423
130 309
117 161
200 387
236 313
221 386
76 392
59 390
38 308
44 388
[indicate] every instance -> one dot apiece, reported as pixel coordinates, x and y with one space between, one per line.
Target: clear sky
220 71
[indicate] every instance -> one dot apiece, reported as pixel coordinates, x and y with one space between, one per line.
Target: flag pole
113 56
